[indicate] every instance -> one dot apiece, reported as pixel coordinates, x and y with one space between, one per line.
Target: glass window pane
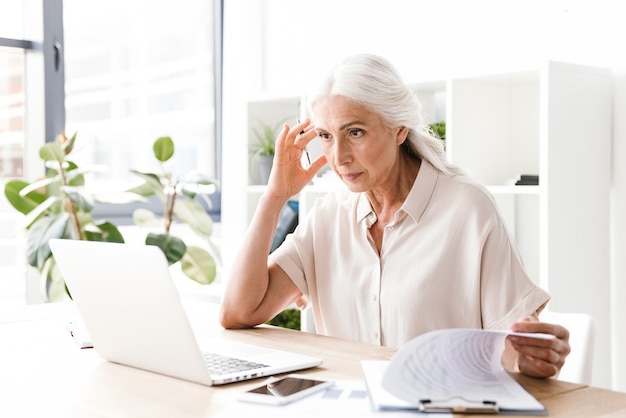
132 77
12 19
11 112
12 249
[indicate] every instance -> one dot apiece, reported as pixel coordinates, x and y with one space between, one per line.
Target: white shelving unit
553 121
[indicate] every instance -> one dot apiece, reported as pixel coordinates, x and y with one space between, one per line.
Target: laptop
132 311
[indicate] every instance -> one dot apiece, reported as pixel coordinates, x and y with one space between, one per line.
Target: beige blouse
447 261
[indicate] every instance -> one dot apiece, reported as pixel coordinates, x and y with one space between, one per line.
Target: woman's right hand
288 176
255 291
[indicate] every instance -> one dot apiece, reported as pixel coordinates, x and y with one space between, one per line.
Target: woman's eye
324 137
356 133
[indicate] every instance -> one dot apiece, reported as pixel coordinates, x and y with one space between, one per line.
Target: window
119 74
135 71
12 89
16 51
11 112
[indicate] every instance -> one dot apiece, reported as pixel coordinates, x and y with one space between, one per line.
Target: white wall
277 47
618 228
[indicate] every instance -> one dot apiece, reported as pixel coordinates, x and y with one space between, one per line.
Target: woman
413 245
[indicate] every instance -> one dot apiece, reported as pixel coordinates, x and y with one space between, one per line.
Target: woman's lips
350 176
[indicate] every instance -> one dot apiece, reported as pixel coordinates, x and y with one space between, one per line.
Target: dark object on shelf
286 223
528 180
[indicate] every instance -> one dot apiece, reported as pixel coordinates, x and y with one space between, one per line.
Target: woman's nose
340 152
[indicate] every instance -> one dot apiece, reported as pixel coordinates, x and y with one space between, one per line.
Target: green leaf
144 190
53 281
289 318
53 167
79 197
147 218
198 177
53 188
75 176
198 183
70 168
149 178
173 248
438 129
40 184
153 183
51 151
194 215
37 237
68 145
110 231
199 265
163 148
34 214
265 144
192 190
23 203
189 190
103 231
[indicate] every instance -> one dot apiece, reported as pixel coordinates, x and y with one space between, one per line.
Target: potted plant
263 149
179 199
438 129
288 318
57 206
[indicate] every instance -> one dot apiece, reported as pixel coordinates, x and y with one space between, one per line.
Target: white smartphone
280 391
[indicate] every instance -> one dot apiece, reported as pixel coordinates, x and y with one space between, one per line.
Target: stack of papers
451 370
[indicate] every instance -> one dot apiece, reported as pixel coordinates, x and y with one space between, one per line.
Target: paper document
451 369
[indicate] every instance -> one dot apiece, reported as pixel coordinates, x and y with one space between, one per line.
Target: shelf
514 190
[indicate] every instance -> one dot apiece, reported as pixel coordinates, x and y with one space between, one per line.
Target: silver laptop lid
131 307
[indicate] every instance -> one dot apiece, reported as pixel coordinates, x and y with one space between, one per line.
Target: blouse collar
416 201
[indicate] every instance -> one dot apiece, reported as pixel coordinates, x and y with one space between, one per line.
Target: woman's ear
401 135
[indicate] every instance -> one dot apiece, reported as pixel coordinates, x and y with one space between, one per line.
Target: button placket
375 305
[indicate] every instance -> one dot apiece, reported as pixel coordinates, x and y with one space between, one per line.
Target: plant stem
170 200
69 204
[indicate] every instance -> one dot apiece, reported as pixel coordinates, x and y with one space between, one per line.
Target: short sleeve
507 291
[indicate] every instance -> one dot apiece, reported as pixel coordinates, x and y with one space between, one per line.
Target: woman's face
358 145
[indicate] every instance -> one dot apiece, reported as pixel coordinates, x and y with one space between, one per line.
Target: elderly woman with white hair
411 246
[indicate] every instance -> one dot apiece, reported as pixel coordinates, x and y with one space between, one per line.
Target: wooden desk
43 373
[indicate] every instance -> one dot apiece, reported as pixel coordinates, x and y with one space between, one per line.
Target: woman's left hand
539 357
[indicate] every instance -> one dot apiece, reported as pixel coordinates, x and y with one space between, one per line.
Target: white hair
372 81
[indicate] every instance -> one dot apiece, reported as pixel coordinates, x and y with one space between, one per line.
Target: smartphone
280 391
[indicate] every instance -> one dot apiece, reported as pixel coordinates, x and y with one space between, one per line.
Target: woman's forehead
333 110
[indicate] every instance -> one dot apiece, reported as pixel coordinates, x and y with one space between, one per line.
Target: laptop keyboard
219 365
